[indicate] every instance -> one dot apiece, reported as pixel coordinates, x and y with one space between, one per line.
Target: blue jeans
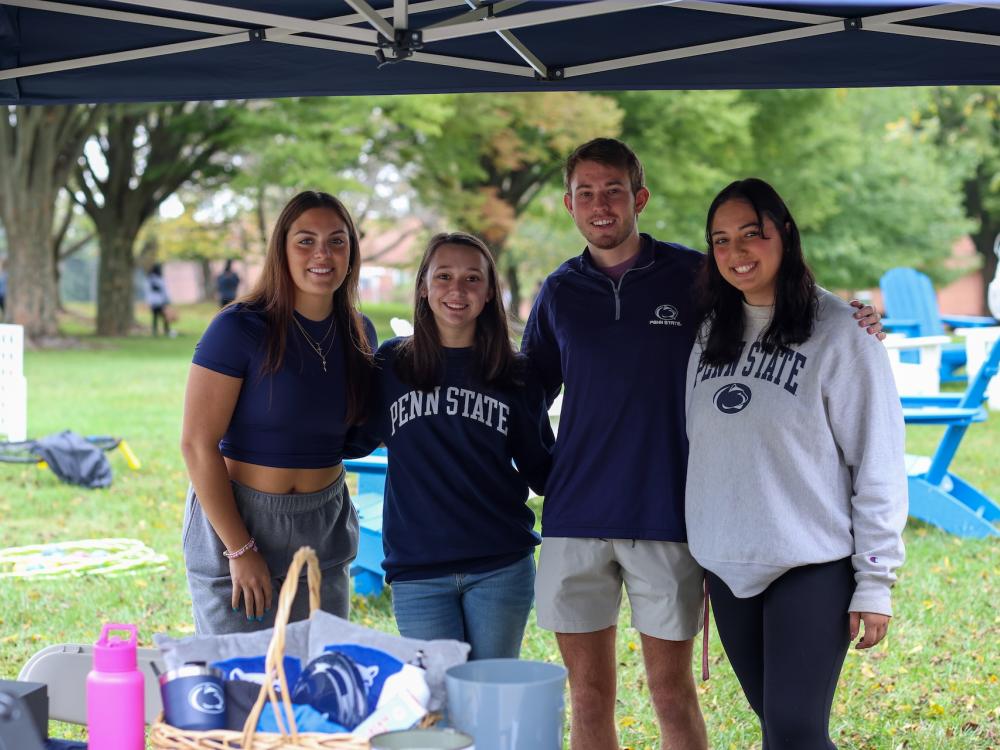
486 610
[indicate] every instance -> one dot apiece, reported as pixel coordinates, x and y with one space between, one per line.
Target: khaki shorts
578 588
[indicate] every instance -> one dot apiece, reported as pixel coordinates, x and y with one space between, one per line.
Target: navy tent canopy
62 51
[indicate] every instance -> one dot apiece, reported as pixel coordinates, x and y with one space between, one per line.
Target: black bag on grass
74 460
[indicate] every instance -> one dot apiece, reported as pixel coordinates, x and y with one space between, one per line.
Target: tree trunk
38 147
32 294
989 226
514 287
260 215
56 280
115 295
207 280
985 239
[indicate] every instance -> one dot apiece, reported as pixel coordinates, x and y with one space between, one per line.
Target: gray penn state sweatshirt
796 458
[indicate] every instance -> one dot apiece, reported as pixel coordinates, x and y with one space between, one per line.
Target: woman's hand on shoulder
876 626
252 582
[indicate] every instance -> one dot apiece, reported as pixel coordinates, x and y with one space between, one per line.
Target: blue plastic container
508 704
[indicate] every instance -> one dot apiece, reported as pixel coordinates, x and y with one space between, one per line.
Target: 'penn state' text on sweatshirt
620 351
454 502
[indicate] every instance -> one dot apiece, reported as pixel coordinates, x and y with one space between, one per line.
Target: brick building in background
388 261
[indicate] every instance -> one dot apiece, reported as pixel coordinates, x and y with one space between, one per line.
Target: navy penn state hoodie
619 350
454 501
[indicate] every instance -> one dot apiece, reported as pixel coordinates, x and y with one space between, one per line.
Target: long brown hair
420 361
274 294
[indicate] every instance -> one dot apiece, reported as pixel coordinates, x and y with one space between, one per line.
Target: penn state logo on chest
732 398
457 402
666 315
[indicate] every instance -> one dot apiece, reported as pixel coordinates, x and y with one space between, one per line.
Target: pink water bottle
115 693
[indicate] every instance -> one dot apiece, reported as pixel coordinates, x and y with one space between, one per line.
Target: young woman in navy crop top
276 380
454 404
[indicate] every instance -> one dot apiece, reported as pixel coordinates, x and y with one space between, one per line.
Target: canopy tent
151 50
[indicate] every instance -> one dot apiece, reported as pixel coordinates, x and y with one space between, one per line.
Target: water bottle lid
114 654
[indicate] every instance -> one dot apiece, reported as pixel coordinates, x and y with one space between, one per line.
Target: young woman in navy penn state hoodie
454 404
276 381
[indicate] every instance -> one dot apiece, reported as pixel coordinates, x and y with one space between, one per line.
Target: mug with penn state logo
194 697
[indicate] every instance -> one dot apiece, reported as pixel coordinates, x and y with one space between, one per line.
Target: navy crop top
294 418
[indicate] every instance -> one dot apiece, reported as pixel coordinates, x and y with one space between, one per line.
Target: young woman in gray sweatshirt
796 485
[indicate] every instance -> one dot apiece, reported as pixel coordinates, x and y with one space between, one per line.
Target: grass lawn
933 684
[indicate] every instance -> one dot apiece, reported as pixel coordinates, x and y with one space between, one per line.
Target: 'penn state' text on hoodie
620 350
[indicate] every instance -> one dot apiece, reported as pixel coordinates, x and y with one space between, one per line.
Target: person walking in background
454 404
157 298
796 483
227 284
3 291
276 381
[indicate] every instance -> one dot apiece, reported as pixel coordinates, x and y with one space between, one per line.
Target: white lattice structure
13 385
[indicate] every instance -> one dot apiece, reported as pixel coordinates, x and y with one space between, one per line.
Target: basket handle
275 662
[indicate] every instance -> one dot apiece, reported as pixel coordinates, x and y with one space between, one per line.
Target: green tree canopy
493 154
866 194
964 122
147 152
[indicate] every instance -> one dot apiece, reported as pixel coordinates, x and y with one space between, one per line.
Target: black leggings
787 646
159 313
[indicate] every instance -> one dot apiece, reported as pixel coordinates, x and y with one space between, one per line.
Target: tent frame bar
379 37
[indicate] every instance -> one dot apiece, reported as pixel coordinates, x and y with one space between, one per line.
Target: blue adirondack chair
937 495
369 578
911 306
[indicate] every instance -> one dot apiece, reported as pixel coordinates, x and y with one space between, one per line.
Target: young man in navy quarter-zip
614 327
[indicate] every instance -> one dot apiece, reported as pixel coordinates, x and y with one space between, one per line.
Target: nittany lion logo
207 698
666 312
732 398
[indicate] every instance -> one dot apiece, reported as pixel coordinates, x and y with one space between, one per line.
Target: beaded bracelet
251 545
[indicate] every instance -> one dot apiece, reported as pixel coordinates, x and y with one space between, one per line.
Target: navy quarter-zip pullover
620 351
454 502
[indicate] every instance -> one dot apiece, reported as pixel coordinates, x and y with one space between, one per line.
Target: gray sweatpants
324 520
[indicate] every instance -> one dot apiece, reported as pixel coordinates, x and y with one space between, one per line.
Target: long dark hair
721 304
420 360
274 294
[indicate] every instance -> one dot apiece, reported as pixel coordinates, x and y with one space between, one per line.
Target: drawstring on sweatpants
704 635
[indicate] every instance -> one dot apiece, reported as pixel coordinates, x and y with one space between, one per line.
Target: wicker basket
162 736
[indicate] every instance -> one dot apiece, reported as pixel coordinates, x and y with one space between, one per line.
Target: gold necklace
317 346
